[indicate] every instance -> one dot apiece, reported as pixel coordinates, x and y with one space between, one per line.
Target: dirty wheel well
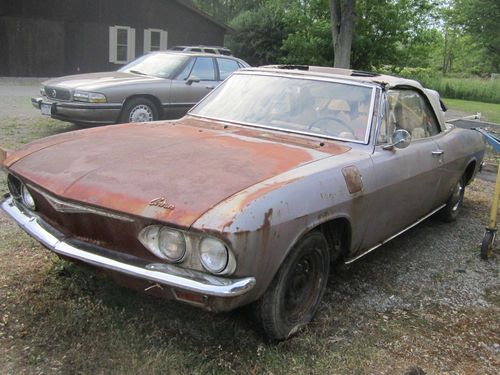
338 235
469 172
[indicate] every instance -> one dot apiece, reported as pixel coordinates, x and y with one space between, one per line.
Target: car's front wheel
296 291
139 110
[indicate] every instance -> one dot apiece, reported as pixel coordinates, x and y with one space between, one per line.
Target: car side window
186 72
204 69
226 67
407 109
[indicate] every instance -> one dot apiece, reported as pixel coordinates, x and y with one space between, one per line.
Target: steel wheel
296 291
457 196
450 212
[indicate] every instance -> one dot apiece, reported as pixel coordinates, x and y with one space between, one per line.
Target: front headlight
42 91
89 97
27 198
214 255
165 243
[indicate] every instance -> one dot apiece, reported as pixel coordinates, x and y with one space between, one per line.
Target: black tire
487 244
139 110
450 212
294 295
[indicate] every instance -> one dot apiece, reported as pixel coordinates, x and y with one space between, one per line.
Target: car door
196 80
407 178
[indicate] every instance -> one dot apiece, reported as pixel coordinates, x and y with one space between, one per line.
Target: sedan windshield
310 106
161 65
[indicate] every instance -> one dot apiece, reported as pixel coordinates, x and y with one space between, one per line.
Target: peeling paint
353 179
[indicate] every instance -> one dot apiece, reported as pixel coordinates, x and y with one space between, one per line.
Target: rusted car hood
188 167
96 81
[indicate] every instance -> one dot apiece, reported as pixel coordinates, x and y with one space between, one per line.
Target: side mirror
400 139
192 79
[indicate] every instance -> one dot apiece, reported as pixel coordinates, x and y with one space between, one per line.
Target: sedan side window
186 72
226 67
407 109
204 69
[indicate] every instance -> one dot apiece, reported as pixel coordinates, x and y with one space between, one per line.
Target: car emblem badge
53 93
162 202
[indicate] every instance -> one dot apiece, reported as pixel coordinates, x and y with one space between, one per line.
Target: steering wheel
330 119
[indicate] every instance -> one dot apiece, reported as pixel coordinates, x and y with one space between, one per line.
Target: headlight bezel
192 257
206 259
27 198
151 236
89 97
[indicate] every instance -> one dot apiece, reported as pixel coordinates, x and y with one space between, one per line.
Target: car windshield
309 106
161 65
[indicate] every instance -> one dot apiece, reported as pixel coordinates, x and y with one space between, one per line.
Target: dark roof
190 5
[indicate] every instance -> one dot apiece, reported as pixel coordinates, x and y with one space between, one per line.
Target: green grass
465 88
490 112
484 90
16 132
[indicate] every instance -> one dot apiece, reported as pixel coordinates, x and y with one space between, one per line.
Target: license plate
46 109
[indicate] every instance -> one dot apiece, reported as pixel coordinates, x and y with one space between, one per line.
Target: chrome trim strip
394 236
167 274
282 130
62 206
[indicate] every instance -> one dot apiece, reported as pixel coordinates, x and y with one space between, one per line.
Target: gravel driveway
15 97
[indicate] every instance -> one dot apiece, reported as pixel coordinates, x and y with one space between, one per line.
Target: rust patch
163 203
267 218
327 146
266 227
263 191
353 179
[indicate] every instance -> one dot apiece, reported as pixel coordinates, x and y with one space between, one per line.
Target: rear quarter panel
461 148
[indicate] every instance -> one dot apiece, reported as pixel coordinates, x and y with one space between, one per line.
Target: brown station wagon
278 173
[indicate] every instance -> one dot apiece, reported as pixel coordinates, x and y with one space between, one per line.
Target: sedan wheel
141 113
139 110
296 291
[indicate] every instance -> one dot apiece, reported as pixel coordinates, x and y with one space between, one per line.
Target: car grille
57 93
95 229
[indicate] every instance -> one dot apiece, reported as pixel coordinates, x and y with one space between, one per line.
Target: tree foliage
259 36
451 36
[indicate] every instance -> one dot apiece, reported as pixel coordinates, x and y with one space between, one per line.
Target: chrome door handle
438 152
210 87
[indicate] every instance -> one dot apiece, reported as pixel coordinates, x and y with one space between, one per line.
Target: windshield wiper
137 72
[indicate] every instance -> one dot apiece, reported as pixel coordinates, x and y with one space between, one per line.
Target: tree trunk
343 16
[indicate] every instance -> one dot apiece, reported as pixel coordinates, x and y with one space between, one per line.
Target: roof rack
292 66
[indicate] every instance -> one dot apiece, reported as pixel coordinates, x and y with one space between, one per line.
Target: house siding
57 37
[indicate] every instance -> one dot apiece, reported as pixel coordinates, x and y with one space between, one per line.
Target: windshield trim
365 141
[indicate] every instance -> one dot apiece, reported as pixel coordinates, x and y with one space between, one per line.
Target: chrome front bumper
161 273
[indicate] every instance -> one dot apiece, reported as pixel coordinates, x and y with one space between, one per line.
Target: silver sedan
159 85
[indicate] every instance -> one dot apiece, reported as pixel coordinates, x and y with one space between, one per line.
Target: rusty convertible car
248 199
